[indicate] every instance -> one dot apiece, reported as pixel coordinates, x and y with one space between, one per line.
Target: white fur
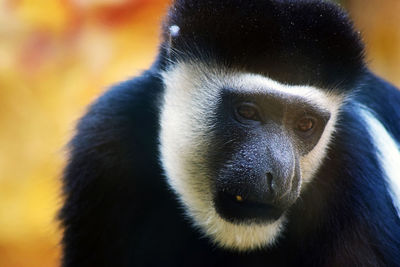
388 153
189 102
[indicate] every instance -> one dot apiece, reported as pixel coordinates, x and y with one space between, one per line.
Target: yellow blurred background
56 56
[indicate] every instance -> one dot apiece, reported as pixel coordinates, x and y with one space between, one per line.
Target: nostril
269 182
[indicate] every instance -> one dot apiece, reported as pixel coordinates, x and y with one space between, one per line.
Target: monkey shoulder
112 180
119 128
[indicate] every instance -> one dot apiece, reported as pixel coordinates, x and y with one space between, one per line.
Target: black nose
265 190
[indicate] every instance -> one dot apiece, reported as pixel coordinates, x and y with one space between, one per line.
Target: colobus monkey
259 137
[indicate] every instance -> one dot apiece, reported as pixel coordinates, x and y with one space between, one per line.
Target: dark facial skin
260 139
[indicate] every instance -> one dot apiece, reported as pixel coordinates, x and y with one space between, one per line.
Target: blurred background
56 56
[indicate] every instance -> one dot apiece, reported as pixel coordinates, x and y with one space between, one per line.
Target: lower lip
230 209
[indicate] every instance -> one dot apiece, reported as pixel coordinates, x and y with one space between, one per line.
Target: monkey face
259 138
238 148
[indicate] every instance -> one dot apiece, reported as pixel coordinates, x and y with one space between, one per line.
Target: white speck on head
388 154
174 30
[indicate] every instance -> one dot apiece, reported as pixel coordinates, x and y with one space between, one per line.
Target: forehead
206 82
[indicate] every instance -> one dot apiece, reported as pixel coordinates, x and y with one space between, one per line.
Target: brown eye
248 112
305 124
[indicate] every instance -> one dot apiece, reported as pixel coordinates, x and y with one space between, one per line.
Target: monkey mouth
237 209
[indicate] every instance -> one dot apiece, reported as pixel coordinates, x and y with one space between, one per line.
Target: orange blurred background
56 56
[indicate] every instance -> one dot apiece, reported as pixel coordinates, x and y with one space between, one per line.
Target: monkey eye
247 112
305 124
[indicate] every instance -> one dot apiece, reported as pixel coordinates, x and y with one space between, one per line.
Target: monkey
258 137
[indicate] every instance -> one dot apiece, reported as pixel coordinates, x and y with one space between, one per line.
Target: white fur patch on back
388 154
191 96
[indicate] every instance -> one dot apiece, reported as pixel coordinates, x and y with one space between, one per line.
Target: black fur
118 210
296 42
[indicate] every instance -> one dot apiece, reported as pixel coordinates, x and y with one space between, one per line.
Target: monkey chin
245 236
241 236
